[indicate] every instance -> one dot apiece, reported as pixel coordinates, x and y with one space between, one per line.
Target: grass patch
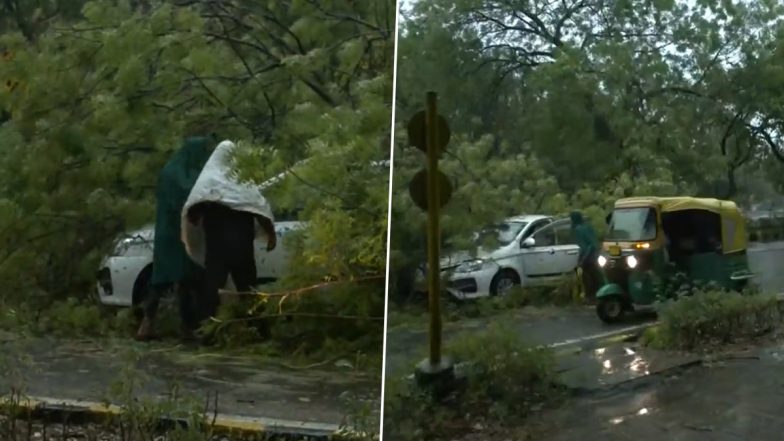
506 382
566 294
69 318
301 331
707 318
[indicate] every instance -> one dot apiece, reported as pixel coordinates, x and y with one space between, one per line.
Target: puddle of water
621 361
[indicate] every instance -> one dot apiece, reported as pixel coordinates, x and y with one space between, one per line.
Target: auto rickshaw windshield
632 224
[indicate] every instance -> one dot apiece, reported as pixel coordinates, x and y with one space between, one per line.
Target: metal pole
433 229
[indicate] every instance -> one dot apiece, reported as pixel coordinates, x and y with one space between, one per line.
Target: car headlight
602 261
631 261
469 267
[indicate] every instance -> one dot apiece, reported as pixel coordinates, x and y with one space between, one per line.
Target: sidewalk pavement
251 392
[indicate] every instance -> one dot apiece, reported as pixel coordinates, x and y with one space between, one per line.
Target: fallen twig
299 290
297 314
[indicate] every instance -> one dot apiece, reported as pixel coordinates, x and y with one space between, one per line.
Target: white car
533 250
124 277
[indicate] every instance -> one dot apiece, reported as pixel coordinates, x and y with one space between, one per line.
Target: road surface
736 398
244 386
765 261
406 346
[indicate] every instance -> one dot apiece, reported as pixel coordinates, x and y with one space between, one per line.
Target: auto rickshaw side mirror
608 218
528 242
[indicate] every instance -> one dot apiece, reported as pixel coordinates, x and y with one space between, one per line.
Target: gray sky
405 5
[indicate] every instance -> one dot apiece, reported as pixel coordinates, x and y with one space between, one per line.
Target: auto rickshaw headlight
602 261
631 261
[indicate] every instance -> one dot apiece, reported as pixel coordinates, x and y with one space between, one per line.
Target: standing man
586 239
221 220
172 267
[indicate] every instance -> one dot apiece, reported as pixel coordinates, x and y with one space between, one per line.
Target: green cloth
584 236
171 262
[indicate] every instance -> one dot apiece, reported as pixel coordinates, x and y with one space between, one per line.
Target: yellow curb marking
225 423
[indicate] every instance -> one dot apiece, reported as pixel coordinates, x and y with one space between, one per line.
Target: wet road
767 263
738 398
245 386
406 346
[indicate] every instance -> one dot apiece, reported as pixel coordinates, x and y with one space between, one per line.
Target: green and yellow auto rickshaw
655 245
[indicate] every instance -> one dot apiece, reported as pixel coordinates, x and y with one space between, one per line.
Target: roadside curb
574 346
62 409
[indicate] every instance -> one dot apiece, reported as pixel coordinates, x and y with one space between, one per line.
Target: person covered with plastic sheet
172 267
220 221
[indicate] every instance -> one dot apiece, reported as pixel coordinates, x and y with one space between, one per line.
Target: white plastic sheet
218 183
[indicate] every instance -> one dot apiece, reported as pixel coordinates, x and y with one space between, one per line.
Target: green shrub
506 376
73 317
505 382
708 317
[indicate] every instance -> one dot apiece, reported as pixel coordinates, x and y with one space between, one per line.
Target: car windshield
501 234
633 224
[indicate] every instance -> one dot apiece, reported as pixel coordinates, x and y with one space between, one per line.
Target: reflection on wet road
596 369
732 399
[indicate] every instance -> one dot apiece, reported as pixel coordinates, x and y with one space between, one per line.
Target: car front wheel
503 282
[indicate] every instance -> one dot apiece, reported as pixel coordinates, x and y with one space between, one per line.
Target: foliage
506 381
709 317
561 105
81 318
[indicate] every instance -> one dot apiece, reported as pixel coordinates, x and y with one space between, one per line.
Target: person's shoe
146 330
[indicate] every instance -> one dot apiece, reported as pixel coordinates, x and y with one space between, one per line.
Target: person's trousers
592 277
229 237
187 293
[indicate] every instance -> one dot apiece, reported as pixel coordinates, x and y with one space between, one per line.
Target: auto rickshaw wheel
610 309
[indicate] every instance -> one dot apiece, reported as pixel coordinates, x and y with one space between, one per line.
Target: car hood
146 233
454 259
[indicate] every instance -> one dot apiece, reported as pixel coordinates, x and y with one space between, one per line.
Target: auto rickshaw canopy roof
733 224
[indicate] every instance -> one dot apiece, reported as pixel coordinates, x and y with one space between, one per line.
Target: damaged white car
532 250
124 277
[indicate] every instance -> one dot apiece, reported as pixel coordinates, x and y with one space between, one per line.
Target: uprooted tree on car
104 95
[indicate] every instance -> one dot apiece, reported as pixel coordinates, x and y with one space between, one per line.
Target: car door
537 259
566 251
535 226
